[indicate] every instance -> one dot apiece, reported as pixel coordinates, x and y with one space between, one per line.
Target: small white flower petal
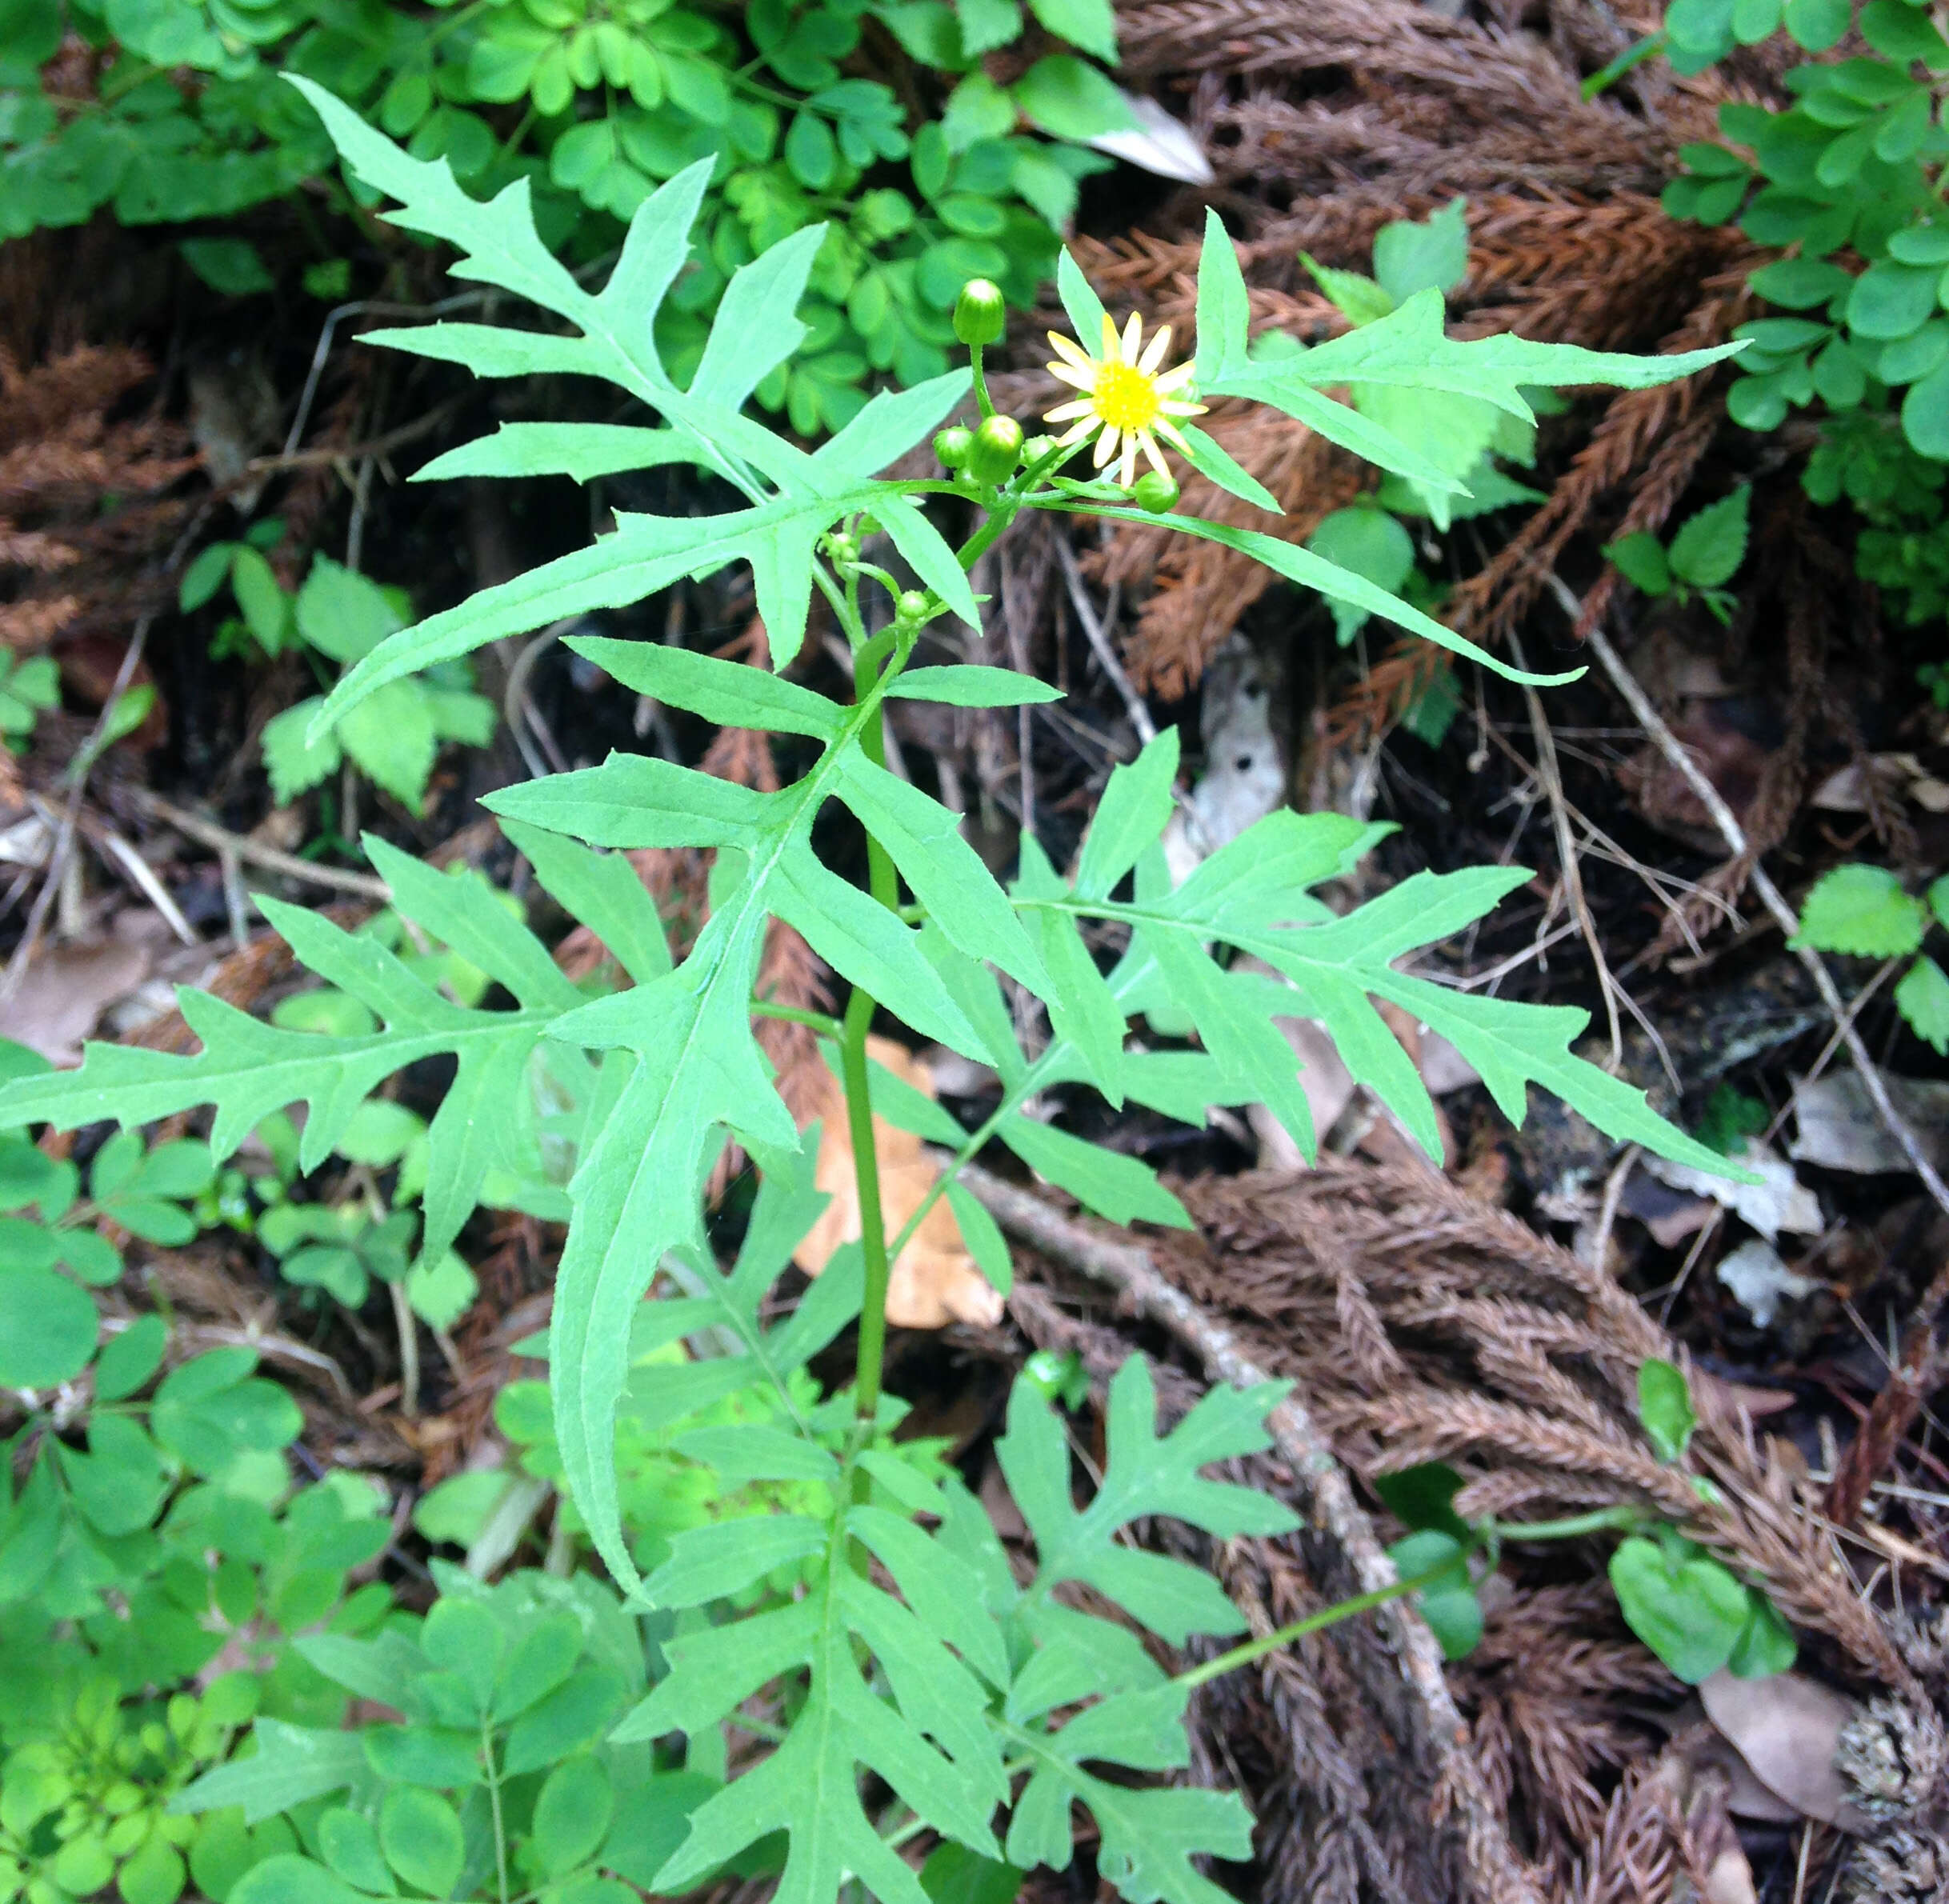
1068 347
1156 350
1062 412
1111 353
1176 377
1082 380
1171 434
1076 434
1133 335
1127 473
1149 444
1106 447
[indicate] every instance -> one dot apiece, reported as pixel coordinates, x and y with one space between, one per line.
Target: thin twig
1550 775
87 755
518 709
261 466
237 846
1668 744
1322 1483
1099 642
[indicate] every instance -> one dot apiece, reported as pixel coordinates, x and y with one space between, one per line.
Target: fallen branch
1498 1875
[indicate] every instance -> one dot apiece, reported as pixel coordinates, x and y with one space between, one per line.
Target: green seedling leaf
1422 1499
287 1879
1689 1609
1707 552
1665 1408
1368 542
1922 999
953 1875
1863 911
1430 255
1449 1602
1640 559
1765 1645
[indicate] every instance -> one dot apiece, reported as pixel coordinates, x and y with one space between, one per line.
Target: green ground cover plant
1848 181
334 617
1702 557
1865 912
596 103
154 1560
988 1708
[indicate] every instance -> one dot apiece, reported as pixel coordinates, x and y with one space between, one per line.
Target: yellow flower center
1126 397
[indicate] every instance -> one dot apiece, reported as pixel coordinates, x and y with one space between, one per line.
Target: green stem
872 1219
819 1020
892 649
1328 1616
883 881
1600 1520
981 382
494 1802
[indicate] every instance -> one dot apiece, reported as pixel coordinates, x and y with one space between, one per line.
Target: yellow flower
1126 396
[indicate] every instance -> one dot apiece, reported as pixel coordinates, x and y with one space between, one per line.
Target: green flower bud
997 450
981 313
1037 447
1157 494
912 606
842 547
952 445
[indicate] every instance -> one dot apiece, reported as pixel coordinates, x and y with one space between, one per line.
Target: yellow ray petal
1126 473
1156 350
1148 443
1176 377
1106 447
1111 354
1062 412
1068 347
1133 335
1082 380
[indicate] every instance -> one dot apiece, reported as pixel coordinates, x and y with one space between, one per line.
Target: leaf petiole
1328 1616
822 1022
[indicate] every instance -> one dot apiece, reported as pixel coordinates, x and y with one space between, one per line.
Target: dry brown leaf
934 1281
63 994
1785 1727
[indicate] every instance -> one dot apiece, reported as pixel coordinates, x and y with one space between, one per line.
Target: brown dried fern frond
1634 1857
1472 1298
1381 38
65 563
1333 145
